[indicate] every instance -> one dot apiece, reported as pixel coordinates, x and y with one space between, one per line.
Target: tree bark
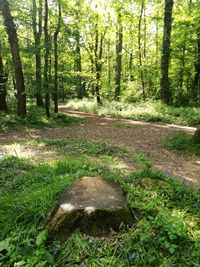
98 61
3 92
55 95
46 60
78 67
196 81
13 40
37 37
140 50
196 136
118 68
165 93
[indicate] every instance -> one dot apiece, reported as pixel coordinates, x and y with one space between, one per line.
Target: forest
109 89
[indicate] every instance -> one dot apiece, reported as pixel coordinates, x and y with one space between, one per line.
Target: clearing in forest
133 136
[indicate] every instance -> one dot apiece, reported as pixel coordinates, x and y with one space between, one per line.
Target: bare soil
140 136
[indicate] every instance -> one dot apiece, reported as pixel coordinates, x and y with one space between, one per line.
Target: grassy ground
166 232
182 142
35 119
151 111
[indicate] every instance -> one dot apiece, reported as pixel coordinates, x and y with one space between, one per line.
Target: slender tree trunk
37 37
131 78
98 64
3 92
78 67
118 68
165 93
196 136
182 64
13 40
108 65
140 50
46 59
196 81
157 36
55 95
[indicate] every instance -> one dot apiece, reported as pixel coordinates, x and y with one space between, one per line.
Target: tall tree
13 40
78 63
140 49
3 92
164 83
37 32
46 59
196 136
118 68
196 81
55 94
98 52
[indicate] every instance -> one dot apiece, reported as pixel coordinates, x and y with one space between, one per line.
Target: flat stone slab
92 205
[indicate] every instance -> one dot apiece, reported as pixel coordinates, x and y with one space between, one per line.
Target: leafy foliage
166 229
182 142
152 111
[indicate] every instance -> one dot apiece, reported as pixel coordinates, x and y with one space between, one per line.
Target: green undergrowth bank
35 119
166 231
182 142
152 111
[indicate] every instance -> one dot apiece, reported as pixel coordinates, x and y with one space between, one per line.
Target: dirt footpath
138 136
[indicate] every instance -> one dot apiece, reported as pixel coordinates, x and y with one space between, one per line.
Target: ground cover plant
152 111
183 143
166 231
35 119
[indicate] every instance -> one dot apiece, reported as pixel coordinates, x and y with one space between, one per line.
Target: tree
37 33
3 81
46 60
13 40
140 50
55 94
164 83
118 68
196 81
196 136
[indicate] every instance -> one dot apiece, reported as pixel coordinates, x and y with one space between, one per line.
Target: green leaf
41 237
5 245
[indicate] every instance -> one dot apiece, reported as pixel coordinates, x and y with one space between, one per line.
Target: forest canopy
123 50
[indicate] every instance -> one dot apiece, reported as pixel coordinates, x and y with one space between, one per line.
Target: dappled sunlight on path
132 135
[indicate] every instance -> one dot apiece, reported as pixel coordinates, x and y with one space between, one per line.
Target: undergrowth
152 111
167 232
182 142
35 119
97 149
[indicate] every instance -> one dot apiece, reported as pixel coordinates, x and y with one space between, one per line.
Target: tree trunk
165 93
108 65
37 37
131 77
3 92
55 95
98 61
118 68
13 40
182 70
196 81
140 50
78 68
46 61
196 136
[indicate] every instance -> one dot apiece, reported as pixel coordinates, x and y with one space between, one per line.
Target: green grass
167 231
151 111
182 142
35 119
98 149
123 125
